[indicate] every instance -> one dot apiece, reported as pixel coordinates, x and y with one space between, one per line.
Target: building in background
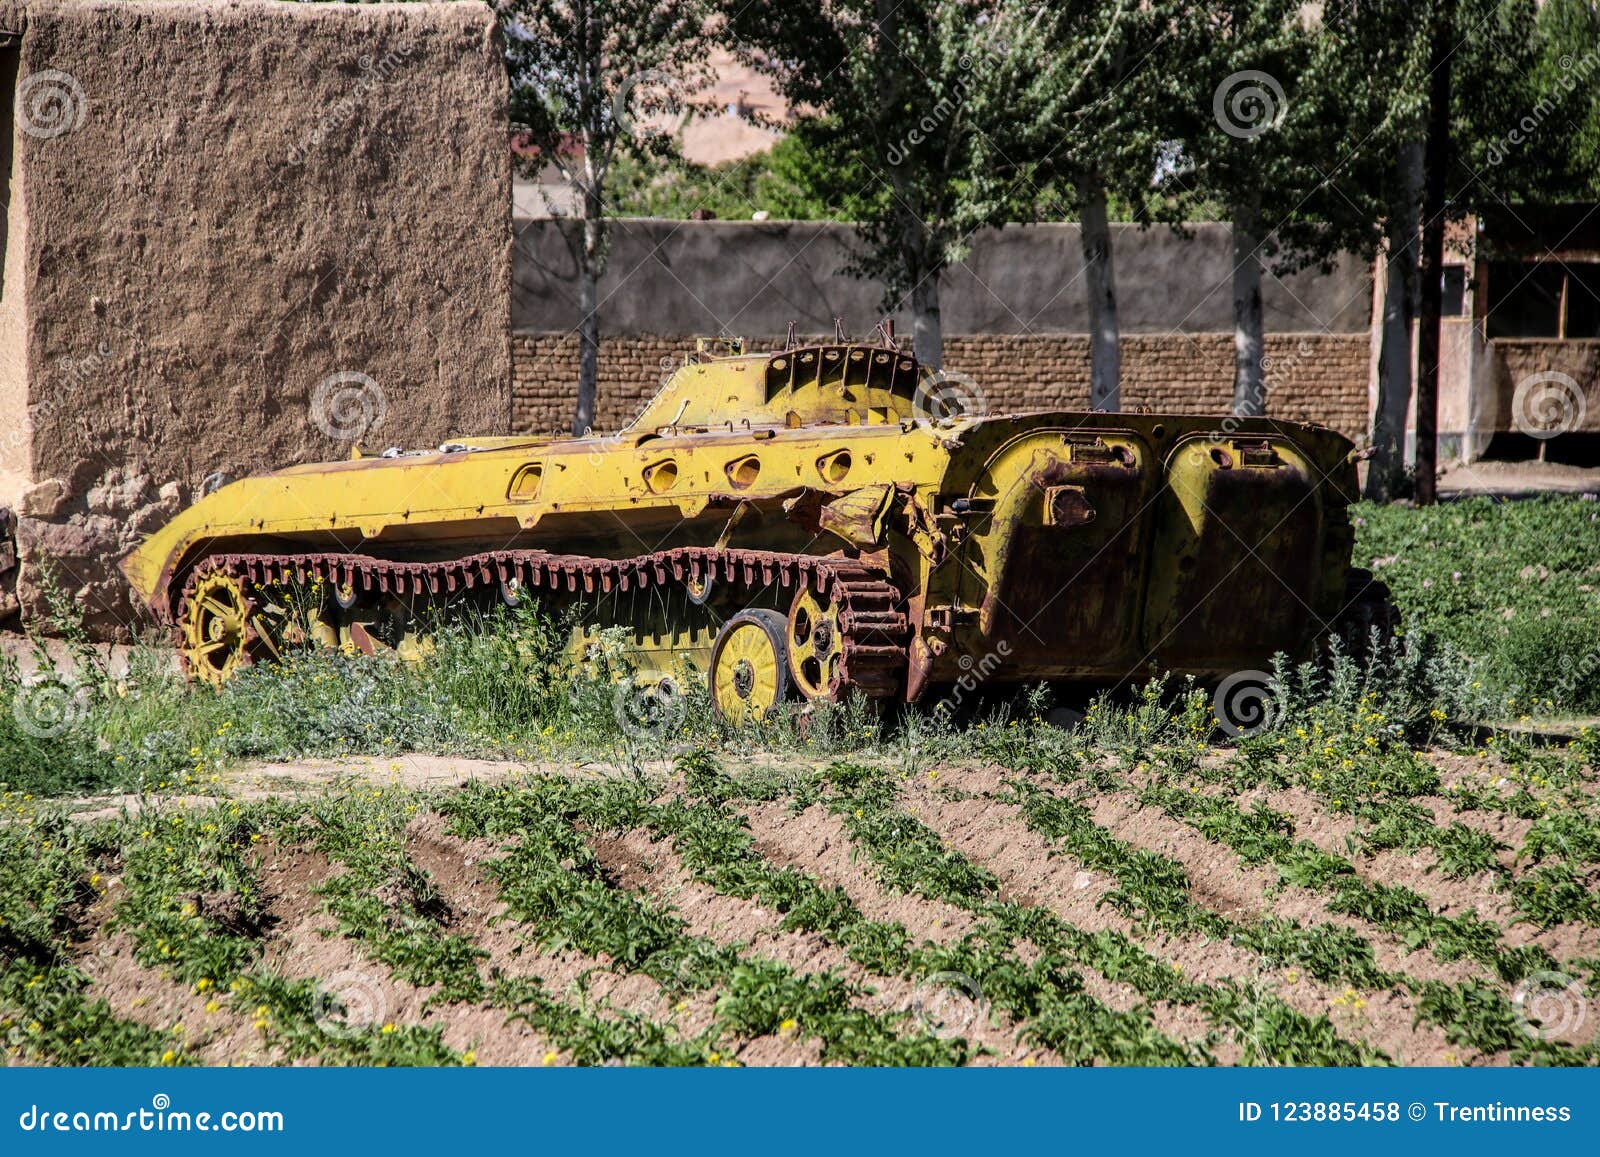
1535 303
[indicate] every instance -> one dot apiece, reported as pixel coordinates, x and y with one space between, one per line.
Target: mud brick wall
216 210
1310 377
1560 380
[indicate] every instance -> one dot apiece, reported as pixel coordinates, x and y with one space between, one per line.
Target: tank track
875 630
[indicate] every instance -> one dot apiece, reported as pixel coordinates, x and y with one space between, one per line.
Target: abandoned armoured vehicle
808 522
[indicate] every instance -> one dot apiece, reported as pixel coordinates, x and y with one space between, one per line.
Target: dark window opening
1544 299
1574 449
1454 286
1525 299
1583 301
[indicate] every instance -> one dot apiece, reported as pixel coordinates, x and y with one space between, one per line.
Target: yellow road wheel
749 670
816 645
216 628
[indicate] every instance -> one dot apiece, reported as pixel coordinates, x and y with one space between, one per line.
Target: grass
1405 754
1501 599
1513 585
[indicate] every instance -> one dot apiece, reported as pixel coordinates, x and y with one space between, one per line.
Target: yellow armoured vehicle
810 522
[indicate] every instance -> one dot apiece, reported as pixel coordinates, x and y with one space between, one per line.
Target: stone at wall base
72 556
43 499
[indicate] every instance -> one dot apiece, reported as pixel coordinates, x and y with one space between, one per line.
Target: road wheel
699 589
749 666
387 624
816 645
1369 616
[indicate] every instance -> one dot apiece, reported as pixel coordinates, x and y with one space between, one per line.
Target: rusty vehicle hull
858 542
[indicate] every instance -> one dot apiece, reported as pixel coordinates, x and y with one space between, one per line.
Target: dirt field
435 910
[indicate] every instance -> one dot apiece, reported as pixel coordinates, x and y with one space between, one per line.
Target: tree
1402 225
1506 75
590 78
1261 146
791 181
912 94
1566 78
1430 267
1384 175
1110 81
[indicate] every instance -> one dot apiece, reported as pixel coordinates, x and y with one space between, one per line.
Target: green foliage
552 880
906 103
805 176
47 740
1502 583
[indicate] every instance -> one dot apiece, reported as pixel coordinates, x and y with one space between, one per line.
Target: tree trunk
1431 269
1249 385
590 256
1105 352
927 335
1386 471
588 353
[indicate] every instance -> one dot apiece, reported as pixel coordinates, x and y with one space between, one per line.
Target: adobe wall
755 277
1014 315
227 206
1553 383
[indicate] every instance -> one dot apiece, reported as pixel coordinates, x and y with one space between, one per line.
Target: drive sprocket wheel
816 644
217 635
749 669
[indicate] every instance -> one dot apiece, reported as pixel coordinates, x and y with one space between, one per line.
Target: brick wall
1315 377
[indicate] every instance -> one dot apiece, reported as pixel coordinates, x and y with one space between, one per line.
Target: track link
874 627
